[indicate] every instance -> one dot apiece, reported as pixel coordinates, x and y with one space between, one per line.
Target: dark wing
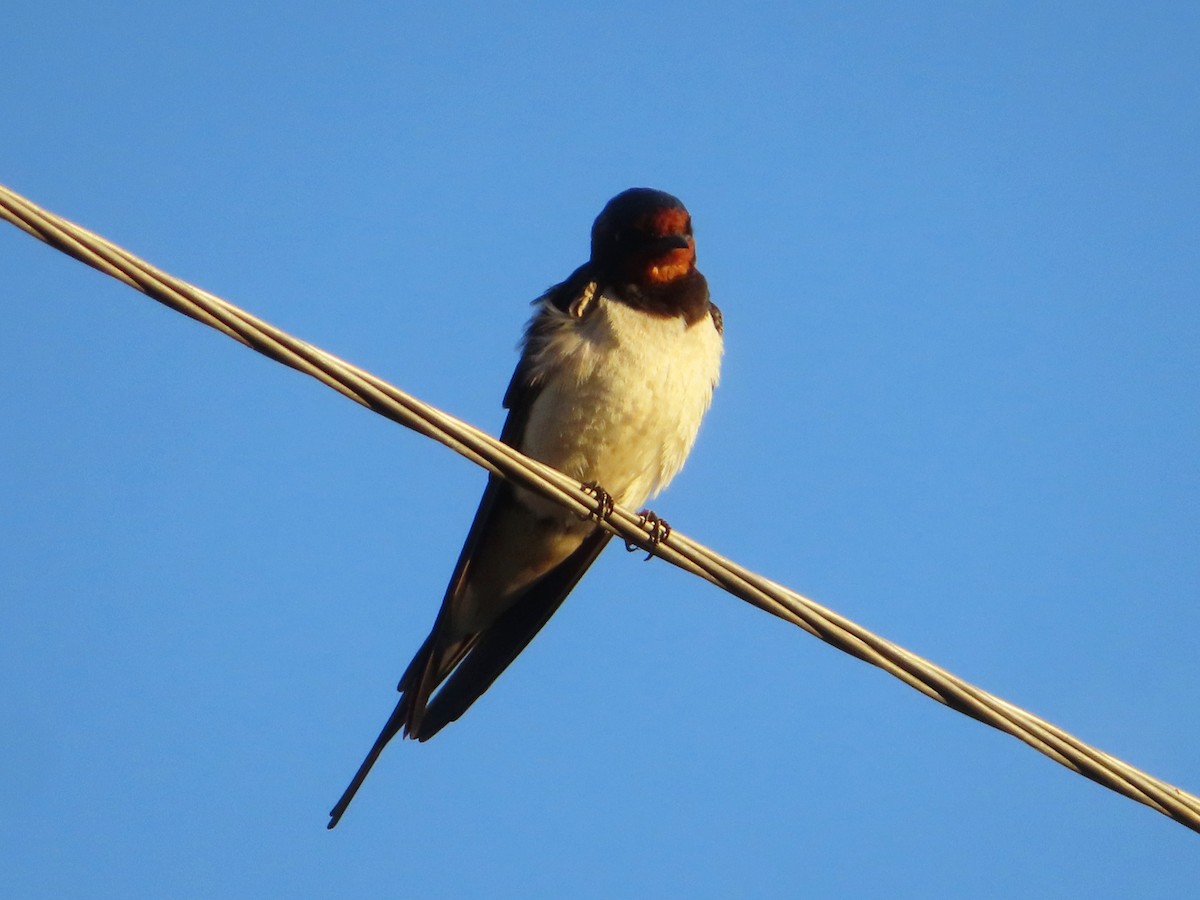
469 665
492 651
500 644
436 660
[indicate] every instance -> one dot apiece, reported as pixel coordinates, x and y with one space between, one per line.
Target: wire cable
377 395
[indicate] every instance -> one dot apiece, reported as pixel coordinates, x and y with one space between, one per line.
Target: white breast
622 398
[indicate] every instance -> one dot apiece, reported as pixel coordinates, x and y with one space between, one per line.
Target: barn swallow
617 369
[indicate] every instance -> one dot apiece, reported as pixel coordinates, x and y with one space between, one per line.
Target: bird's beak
673 242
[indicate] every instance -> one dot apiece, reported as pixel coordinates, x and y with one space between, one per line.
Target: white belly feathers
622 398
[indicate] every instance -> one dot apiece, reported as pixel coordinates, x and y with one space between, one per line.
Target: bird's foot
604 501
660 530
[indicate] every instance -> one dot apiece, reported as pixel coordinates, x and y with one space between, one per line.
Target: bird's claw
604 501
660 530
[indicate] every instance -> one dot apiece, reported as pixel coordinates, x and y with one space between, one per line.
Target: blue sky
956 249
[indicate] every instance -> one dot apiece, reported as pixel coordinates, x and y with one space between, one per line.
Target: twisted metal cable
372 392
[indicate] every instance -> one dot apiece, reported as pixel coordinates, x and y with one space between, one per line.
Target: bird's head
644 237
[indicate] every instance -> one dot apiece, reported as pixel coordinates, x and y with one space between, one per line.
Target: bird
618 366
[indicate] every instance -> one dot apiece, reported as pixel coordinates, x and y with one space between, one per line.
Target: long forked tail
470 666
394 724
490 652
421 677
427 670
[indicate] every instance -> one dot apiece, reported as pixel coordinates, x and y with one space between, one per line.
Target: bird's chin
671 265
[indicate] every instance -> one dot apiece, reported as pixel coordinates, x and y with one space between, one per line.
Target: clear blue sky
957 250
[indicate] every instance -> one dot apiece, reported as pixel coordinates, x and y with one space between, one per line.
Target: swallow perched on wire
617 369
